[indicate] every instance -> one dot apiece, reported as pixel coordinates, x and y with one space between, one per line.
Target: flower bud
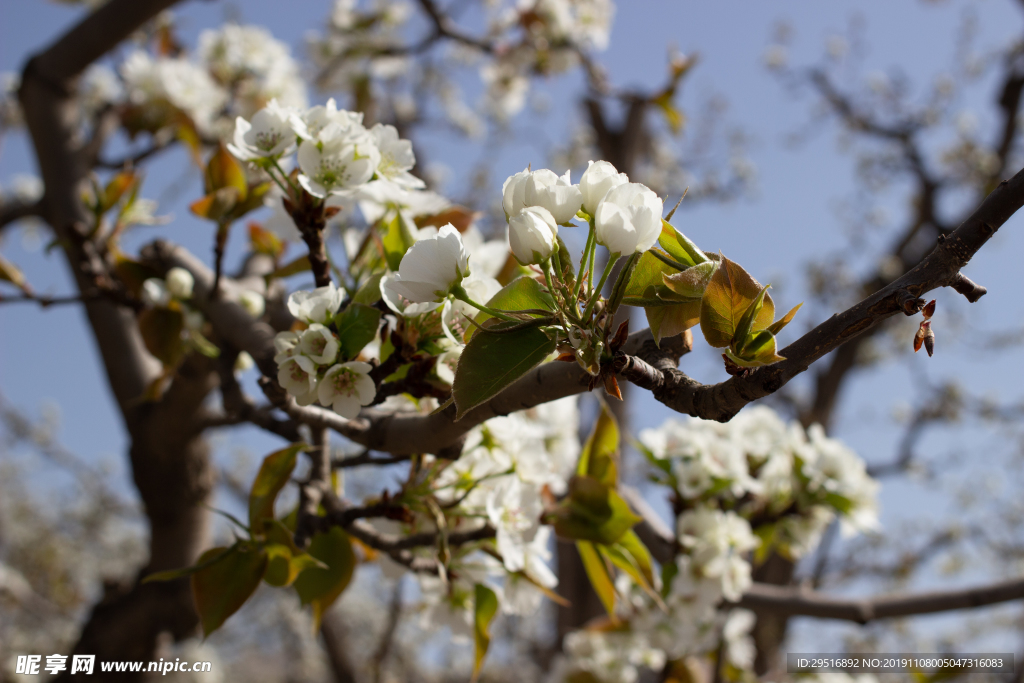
557 195
597 180
513 193
628 219
531 235
180 283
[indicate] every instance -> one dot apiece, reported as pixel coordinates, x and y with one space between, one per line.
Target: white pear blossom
489 256
556 194
521 593
514 509
628 219
297 374
432 267
317 306
341 159
396 157
284 345
180 283
318 344
599 178
378 197
326 120
178 82
268 135
454 314
347 387
531 235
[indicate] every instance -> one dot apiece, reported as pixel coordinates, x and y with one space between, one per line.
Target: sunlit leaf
369 293
777 326
223 170
727 297
668 321
299 265
321 587
263 241
692 282
273 475
221 588
522 294
597 572
600 453
485 607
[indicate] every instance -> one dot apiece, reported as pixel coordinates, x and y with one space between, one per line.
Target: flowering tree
459 358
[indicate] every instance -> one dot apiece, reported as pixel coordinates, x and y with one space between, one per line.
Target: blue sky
789 220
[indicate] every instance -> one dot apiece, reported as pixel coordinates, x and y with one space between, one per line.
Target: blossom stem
612 259
590 266
583 259
460 294
296 191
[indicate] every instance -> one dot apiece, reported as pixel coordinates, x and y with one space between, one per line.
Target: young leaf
693 254
593 512
744 326
321 587
262 241
161 332
646 281
11 273
219 589
522 294
357 326
777 326
601 451
485 606
597 572
115 189
299 265
668 321
759 351
491 362
223 170
284 564
692 282
273 475
727 297
369 293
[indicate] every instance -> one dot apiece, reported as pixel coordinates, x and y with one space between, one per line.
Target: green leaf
727 297
396 238
357 326
759 351
284 564
273 475
369 293
631 556
485 606
668 321
597 572
647 282
744 326
777 326
219 589
522 294
161 332
491 362
692 282
321 587
601 451
683 245
593 512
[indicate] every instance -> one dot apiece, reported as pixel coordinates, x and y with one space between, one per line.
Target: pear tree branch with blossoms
457 358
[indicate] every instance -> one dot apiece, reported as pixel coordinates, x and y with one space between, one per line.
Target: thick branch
799 602
941 268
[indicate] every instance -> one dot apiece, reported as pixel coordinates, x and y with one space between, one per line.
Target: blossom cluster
627 216
723 475
506 466
239 69
309 363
